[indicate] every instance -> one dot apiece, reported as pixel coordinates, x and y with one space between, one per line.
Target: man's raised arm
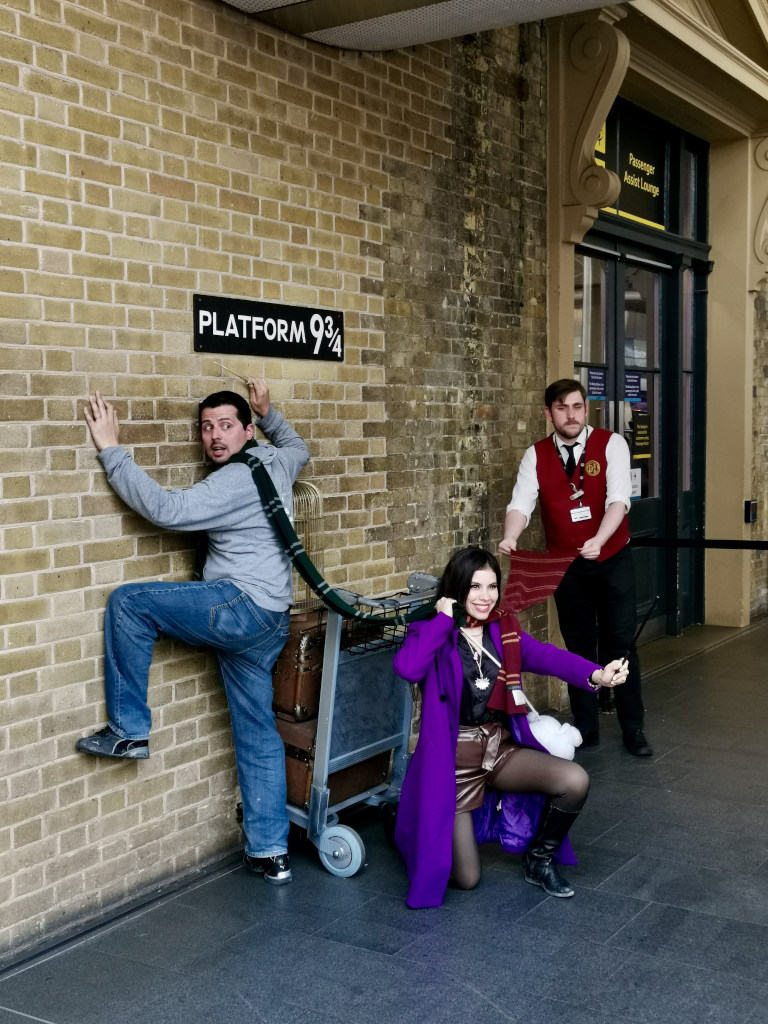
274 426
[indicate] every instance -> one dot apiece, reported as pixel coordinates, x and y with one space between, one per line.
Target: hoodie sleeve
208 505
224 498
292 450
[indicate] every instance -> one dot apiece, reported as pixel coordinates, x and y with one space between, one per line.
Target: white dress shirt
618 481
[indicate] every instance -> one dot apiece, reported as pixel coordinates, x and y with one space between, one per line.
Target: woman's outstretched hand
614 674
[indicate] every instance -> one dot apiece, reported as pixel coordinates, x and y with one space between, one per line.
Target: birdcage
307 522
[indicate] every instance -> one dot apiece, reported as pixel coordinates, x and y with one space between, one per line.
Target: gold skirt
481 752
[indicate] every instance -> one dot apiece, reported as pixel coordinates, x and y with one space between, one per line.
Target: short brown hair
560 388
226 398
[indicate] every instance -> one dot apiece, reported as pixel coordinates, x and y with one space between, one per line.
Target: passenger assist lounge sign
634 145
247 328
641 169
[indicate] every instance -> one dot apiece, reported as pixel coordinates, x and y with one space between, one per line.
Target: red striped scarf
533 577
509 678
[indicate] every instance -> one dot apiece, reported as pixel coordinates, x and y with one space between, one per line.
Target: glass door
638 370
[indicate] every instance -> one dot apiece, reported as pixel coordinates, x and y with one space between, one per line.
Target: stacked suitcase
296 680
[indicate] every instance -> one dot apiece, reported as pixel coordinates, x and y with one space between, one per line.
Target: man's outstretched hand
102 422
258 396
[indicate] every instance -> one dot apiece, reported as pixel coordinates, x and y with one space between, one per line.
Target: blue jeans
247 640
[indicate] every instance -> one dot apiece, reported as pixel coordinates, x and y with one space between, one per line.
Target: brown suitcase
299 741
299 668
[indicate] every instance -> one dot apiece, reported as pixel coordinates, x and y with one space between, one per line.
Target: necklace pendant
482 682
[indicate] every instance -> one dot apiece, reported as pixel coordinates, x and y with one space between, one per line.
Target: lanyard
578 492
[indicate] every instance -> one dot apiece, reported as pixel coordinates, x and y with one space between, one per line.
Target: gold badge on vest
593 468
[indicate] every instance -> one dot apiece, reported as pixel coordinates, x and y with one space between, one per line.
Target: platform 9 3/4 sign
269 329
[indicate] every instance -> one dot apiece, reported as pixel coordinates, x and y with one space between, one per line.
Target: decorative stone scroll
760 237
593 57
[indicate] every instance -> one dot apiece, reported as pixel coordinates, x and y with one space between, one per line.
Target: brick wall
759 567
150 155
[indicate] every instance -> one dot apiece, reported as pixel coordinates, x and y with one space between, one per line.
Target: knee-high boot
539 858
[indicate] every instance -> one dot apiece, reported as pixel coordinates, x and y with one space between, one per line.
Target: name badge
518 697
578 515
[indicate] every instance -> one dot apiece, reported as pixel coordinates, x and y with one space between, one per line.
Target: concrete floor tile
80 986
729 895
653 836
658 991
383 924
700 940
590 913
11 1017
550 1010
669 924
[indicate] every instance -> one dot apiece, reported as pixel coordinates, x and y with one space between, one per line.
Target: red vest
562 534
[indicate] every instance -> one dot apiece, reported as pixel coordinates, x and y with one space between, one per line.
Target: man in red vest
581 476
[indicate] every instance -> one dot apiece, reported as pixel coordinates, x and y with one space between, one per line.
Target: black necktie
570 464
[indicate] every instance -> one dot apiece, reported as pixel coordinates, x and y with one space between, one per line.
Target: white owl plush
559 738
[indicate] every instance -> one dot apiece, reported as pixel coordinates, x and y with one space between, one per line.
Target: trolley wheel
348 851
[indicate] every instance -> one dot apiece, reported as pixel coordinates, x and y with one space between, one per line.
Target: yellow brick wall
150 152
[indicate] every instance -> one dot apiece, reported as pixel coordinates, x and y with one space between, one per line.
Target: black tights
564 783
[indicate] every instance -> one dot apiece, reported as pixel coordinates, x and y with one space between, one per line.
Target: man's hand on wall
258 396
102 422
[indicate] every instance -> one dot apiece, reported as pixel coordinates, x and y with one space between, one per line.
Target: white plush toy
559 738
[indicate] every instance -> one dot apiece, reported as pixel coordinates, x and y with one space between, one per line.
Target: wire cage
362 635
308 524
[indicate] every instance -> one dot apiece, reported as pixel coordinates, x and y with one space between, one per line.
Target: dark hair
457 576
560 388
226 398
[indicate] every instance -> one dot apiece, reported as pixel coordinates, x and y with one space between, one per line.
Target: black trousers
598 619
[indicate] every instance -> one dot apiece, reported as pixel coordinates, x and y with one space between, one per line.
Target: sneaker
106 743
276 870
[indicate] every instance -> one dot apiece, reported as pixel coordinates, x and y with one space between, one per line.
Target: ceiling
394 24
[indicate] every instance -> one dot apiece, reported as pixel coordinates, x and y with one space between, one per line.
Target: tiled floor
669 924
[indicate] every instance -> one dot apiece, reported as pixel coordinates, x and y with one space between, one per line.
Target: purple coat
424 829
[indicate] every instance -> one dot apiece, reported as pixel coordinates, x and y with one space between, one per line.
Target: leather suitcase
299 741
298 670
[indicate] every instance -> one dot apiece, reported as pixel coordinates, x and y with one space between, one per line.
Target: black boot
539 858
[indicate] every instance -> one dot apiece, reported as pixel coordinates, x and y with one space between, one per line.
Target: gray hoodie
242 546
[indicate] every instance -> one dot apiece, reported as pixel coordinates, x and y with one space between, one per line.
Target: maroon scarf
508 680
533 576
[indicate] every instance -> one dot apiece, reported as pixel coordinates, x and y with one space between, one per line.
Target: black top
473 709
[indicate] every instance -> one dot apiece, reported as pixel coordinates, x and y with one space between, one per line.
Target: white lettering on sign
241 326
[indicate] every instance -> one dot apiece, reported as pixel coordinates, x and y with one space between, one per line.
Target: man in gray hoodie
239 608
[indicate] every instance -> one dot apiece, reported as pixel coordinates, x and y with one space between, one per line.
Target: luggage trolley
365 710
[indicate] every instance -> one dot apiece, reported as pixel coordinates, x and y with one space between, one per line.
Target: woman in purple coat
474 737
